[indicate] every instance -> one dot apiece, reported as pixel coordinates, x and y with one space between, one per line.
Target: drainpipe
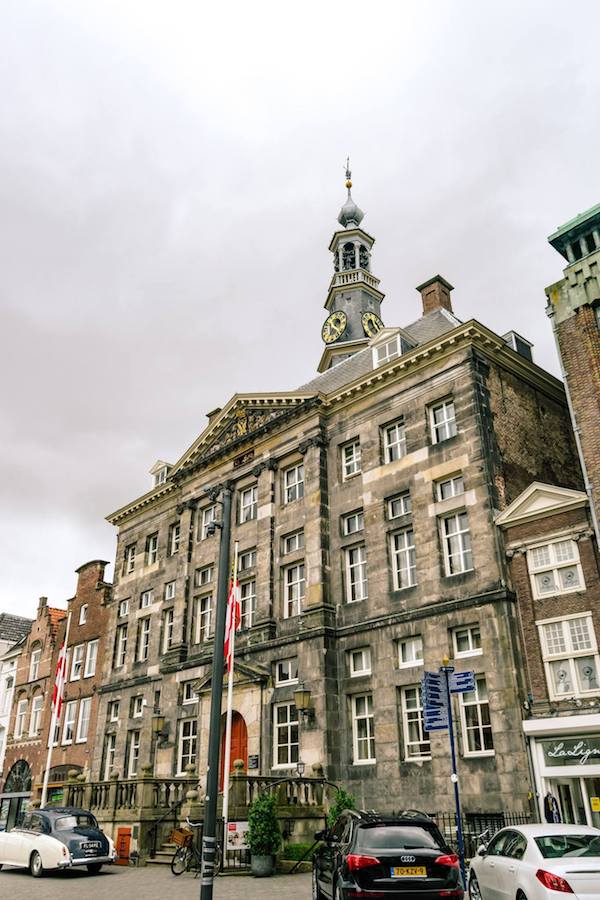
576 430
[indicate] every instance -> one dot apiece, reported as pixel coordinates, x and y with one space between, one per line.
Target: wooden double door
239 744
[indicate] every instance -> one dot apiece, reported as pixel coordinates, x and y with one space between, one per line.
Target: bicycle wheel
181 860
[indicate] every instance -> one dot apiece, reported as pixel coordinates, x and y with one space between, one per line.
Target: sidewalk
151 883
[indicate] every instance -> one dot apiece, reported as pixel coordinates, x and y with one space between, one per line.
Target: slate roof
13 628
425 329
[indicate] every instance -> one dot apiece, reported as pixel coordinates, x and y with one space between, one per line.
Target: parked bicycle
188 855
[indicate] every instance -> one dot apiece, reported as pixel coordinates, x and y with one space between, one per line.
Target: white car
537 862
56 838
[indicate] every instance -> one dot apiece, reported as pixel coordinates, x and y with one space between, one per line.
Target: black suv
369 855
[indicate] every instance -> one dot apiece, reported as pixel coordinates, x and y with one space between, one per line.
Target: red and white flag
234 616
59 682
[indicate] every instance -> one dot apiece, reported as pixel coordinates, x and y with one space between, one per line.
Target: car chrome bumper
87 861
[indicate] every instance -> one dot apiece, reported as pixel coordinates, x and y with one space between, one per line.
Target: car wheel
474 889
316 890
35 865
94 868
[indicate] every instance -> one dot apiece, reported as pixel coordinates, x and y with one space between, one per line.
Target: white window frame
77 660
293 483
353 523
351 459
465 552
121 642
83 614
34 664
248 504
146 599
144 639
294 589
411 703
187 747
21 717
91 658
113 715
453 485
160 477
359 661
404 559
554 565
285 730
203 576
293 542
473 632
569 654
243 564
203 618
70 718
83 720
466 701
123 607
152 549
189 695
391 350
247 603
129 559
168 629
403 499
110 750
133 755
174 538
35 718
137 706
394 441
357 581
170 590
412 654
289 666
358 741
445 428
209 514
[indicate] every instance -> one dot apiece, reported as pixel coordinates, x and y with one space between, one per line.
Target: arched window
348 257
18 780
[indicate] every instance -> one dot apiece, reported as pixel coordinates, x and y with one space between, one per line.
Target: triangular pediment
244 418
539 500
243 673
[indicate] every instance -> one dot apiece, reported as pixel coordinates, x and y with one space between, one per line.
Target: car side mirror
482 850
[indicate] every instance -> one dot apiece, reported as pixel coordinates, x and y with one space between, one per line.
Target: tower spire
350 215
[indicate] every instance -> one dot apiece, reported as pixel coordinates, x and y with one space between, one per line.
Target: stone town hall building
364 506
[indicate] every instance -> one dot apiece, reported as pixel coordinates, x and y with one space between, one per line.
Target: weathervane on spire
348 174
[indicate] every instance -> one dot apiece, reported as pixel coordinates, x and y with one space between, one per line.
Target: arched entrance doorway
16 795
239 744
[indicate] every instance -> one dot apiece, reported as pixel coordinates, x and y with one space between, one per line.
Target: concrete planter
262 866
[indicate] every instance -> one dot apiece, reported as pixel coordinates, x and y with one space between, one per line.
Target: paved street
151 883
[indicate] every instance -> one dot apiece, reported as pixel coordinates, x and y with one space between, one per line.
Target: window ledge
364 762
479 754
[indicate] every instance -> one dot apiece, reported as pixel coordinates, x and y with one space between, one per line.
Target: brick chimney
435 294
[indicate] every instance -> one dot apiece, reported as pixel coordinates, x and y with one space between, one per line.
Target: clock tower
354 300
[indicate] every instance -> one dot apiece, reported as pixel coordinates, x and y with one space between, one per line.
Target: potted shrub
264 836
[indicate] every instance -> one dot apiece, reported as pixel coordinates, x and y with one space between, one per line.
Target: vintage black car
370 855
56 838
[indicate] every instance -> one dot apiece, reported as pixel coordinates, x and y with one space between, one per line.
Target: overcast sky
170 177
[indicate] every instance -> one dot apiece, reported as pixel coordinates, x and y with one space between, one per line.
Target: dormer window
160 477
159 472
384 352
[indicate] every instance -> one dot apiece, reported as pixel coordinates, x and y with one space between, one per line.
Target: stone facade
506 423
31 711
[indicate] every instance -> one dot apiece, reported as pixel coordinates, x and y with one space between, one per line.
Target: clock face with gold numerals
371 323
334 327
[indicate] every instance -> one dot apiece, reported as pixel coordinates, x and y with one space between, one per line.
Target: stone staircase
163 855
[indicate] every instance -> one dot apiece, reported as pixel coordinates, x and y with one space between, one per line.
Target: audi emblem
408 859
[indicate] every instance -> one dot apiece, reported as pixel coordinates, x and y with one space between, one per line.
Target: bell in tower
354 299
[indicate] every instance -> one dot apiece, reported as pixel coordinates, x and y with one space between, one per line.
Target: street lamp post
209 835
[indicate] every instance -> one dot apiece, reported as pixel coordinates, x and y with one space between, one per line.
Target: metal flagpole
55 707
216 695
447 669
227 760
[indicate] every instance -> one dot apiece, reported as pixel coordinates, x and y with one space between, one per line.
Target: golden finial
348 174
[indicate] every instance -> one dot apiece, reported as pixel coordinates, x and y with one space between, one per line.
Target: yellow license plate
409 872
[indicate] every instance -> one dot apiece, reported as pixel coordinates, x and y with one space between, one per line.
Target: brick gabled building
554 568
31 713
